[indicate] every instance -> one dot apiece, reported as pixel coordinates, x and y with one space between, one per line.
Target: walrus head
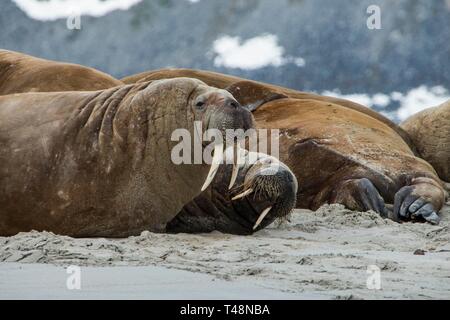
266 190
218 110
190 102
156 127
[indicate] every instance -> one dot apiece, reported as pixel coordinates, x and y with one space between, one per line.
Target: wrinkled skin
430 132
274 186
238 216
21 73
340 152
98 164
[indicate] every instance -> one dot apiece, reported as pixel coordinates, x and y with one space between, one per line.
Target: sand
317 255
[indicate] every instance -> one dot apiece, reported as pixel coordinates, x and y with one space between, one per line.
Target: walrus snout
221 112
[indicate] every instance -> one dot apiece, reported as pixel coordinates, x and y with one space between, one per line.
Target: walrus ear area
253 95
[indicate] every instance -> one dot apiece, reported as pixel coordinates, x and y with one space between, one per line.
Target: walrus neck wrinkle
150 124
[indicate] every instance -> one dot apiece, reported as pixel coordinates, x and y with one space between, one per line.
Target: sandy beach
323 254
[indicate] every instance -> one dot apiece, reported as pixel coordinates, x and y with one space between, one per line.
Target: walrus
430 132
21 73
248 90
266 190
214 209
98 164
340 152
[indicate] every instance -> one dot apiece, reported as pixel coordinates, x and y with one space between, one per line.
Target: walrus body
253 93
213 210
430 132
342 156
339 151
23 73
89 164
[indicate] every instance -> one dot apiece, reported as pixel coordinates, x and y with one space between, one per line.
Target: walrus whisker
261 217
243 194
216 161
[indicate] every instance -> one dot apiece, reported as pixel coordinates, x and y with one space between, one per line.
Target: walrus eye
200 105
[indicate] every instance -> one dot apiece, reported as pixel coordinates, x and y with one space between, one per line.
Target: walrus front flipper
359 195
253 95
419 201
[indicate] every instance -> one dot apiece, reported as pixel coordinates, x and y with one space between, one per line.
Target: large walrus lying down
340 152
23 73
215 209
90 164
430 132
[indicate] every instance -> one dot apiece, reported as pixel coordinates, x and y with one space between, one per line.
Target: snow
411 102
57 9
251 54
419 99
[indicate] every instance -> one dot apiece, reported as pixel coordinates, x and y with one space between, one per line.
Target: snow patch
251 54
410 103
57 9
419 99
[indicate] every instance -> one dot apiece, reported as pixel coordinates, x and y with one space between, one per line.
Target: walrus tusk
216 161
236 165
261 217
243 194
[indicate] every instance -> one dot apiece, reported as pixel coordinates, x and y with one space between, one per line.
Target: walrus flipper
253 95
344 180
359 195
419 201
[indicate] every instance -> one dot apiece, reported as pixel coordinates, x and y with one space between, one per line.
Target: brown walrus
247 90
430 132
23 73
98 164
265 191
214 209
339 151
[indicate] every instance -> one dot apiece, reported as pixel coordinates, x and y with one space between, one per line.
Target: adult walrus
98 164
265 191
250 90
339 151
430 132
23 73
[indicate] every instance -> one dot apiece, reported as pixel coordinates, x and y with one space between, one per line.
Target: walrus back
430 132
224 81
20 73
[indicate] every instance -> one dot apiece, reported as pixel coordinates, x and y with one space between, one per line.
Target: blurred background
323 46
